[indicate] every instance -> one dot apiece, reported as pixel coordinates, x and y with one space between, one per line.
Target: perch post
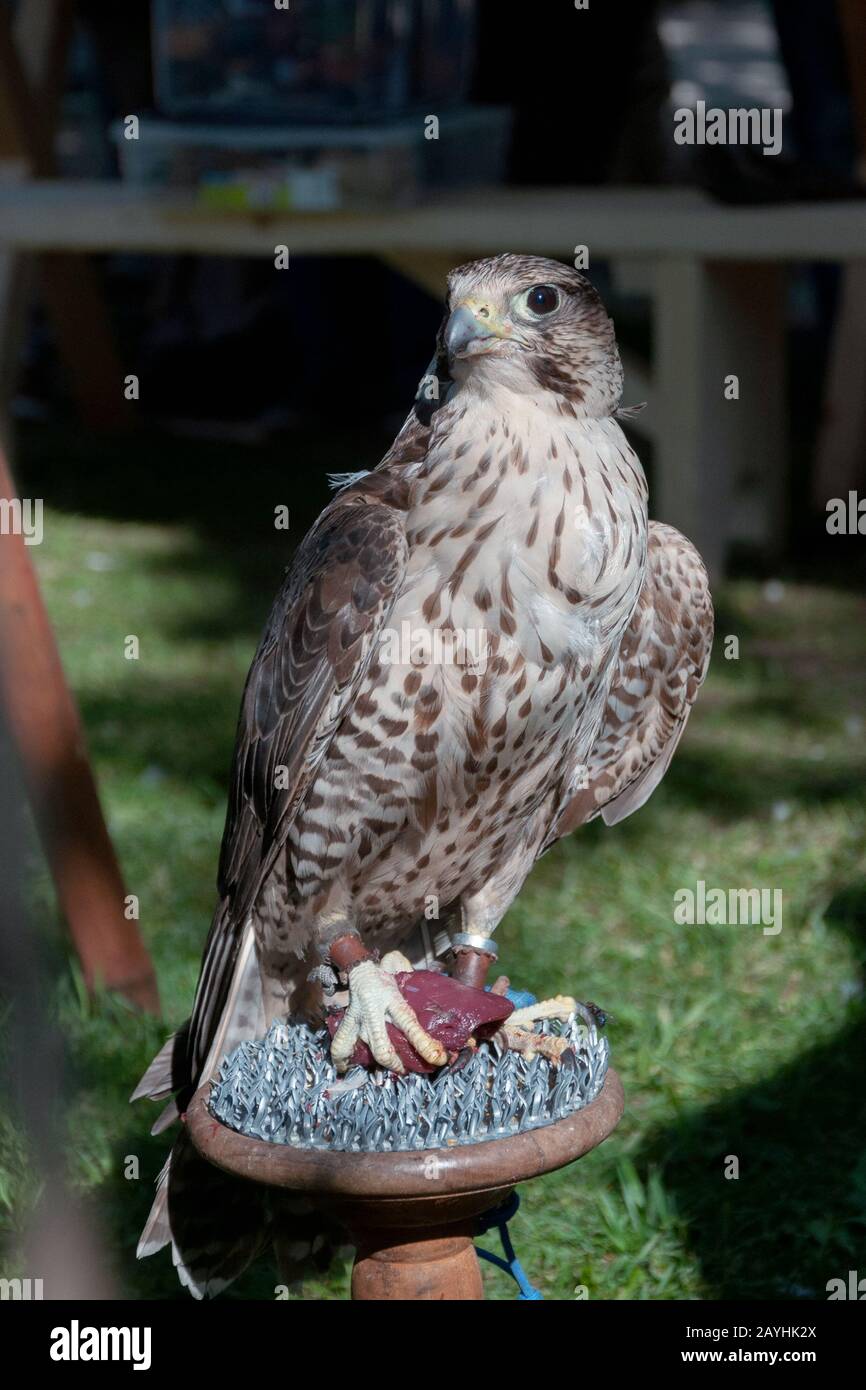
411 1214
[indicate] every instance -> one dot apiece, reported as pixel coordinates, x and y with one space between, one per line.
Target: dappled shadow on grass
156 477
796 1215
155 724
728 789
731 787
225 492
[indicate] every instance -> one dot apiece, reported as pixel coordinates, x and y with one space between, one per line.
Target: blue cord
499 1218
520 998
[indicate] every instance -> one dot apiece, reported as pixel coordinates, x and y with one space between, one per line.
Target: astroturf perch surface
730 1042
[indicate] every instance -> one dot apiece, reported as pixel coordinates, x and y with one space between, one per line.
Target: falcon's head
531 324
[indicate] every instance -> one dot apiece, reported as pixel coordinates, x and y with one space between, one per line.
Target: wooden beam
640 224
47 731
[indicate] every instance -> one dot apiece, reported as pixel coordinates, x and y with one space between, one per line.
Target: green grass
728 1042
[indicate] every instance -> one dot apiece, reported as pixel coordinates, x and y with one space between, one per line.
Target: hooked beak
473 329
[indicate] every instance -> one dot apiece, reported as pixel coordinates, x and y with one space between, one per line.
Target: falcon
368 781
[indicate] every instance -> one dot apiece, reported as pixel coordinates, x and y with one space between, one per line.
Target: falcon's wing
318 642
662 662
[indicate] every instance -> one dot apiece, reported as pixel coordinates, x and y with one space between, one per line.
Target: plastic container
318 168
317 61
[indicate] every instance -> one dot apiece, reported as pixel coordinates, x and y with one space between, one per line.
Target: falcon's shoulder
661 665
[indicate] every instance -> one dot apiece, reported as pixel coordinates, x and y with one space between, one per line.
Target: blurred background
225 227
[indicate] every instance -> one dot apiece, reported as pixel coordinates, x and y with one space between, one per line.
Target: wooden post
33 52
410 1213
391 1265
840 454
47 731
720 475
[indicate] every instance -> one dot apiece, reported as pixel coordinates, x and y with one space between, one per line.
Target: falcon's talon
325 976
374 1002
460 1059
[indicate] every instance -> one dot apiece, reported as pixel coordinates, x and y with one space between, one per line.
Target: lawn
729 1041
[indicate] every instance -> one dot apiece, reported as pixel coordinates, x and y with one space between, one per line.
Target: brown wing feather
317 643
662 662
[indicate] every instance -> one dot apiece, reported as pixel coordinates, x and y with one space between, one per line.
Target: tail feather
243 1015
157 1080
157 1230
217 1224
214 1223
166 1117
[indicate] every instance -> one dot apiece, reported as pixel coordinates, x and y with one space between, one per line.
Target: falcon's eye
542 299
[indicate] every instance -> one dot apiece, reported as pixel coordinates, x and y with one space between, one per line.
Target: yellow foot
374 1002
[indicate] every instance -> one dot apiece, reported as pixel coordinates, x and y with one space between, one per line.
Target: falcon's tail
217 1225
214 1223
